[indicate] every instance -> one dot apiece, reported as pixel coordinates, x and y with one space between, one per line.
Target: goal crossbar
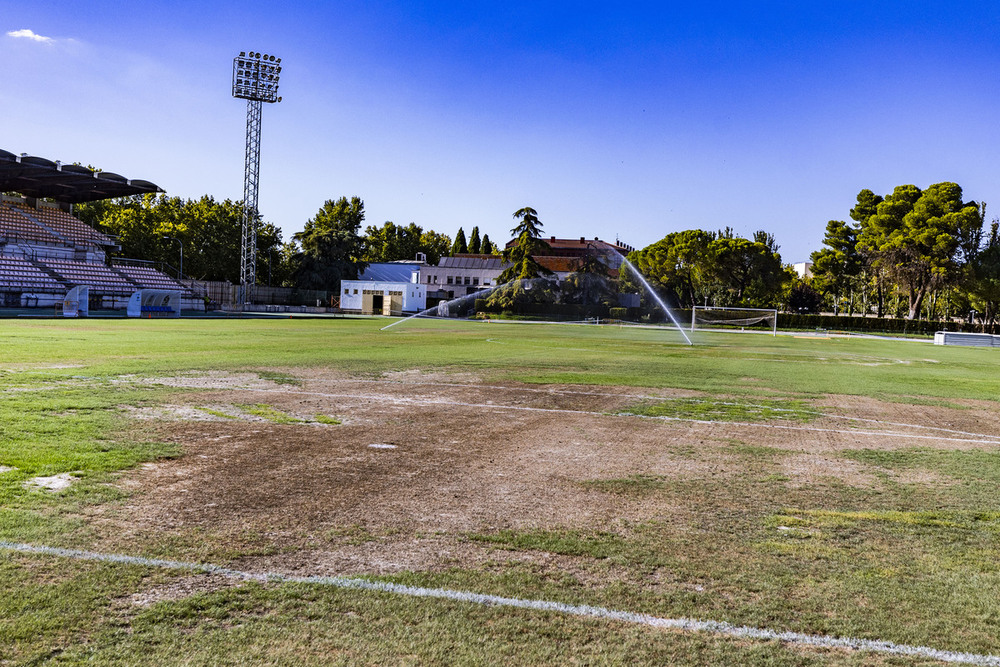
734 317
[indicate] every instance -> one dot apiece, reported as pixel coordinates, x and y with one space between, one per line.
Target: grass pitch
885 529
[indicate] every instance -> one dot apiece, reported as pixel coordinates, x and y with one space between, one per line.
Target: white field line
588 611
982 440
691 400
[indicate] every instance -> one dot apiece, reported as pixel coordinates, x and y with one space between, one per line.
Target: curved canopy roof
37 177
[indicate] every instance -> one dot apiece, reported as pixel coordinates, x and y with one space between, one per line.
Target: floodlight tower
255 79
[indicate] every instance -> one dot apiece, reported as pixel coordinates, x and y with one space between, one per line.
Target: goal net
760 319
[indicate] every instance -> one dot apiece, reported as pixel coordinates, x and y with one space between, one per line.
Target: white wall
352 293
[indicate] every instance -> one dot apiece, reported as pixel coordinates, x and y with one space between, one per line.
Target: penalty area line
396 400
588 611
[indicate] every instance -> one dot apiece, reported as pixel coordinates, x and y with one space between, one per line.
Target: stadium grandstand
45 251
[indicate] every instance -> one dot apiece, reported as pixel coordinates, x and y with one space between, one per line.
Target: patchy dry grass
725 410
729 529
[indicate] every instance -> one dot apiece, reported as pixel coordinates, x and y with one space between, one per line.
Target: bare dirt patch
806 469
422 461
181 587
52 483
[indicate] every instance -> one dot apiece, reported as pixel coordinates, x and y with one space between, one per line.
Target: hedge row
870 324
561 311
555 311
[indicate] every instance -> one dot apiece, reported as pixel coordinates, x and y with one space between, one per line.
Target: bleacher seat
98 276
65 225
19 275
148 278
15 227
46 250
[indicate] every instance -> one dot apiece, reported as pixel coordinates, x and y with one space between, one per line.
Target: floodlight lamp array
255 76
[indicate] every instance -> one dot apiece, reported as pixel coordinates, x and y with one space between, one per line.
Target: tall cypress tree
475 245
460 245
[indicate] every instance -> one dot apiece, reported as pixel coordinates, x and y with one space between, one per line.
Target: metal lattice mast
255 79
248 245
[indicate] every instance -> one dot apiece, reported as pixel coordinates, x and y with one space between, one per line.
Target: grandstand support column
248 245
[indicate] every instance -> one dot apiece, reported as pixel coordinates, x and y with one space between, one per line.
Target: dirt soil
420 461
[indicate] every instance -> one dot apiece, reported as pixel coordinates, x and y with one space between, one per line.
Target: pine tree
521 255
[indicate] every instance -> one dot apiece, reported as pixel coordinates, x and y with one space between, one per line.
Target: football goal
705 317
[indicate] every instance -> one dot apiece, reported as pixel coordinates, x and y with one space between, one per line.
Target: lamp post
171 238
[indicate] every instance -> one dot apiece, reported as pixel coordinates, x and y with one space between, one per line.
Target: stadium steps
49 272
30 218
125 276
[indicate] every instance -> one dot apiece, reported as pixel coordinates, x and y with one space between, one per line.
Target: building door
394 304
377 300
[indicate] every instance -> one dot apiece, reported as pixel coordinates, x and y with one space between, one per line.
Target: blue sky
611 121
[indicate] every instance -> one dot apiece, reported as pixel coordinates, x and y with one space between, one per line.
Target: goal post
728 317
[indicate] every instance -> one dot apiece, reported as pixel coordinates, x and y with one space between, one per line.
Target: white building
803 269
385 289
455 277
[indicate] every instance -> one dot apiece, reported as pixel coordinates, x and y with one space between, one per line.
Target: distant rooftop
471 262
580 245
389 272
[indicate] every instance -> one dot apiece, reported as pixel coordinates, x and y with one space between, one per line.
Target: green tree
678 266
916 237
210 232
524 280
487 247
392 242
590 284
983 280
520 256
282 265
802 297
837 267
435 245
749 271
528 223
475 243
332 247
460 246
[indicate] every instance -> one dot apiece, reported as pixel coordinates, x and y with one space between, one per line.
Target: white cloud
30 34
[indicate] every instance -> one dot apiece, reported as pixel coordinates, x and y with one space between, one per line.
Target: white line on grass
684 624
691 400
982 440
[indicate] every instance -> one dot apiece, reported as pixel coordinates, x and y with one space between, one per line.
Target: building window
355 291
435 280
428 280
346 291
466 280
475 281
450 280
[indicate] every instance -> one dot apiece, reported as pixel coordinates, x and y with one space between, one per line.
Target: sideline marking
692 399
684 624
398 400
978 438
